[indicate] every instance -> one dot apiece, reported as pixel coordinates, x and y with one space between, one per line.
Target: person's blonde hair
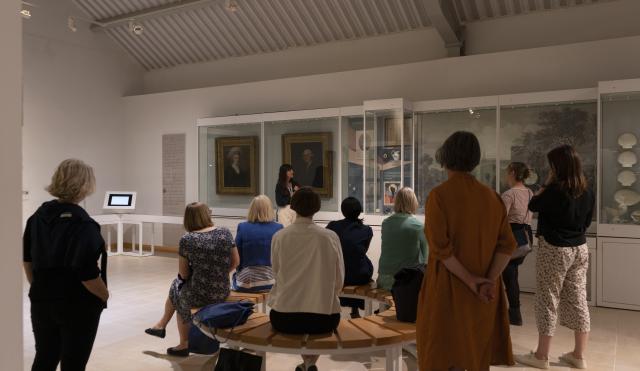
261 210
72 181
197 216
406 201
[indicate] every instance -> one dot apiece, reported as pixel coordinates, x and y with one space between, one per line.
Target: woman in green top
403 241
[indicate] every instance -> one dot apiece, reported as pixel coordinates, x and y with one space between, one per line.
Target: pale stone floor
139 287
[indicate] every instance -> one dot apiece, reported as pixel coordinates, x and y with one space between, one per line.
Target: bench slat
349 289
388 320
260 335
238 296
323 341
287 340
352 337
363 289
257 319
381 335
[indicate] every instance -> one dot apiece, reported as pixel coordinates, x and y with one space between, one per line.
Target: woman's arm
183 268
474 282
98 288
235 259
28 271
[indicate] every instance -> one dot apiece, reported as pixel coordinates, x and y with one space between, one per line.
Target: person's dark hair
282 173
460 152
351 208
567 170
305 202
520 171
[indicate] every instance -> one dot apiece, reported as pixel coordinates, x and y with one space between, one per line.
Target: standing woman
516 200
565 209
68 292
253 241
403 241
285 188
462 319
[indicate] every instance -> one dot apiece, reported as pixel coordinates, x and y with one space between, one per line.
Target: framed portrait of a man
237 166
311 156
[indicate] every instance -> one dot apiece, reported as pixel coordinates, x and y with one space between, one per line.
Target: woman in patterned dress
207 255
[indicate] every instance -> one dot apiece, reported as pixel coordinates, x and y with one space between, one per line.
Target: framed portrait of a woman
237 165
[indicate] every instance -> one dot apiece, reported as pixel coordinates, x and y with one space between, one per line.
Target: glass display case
353 157
620 186
388 142
433 128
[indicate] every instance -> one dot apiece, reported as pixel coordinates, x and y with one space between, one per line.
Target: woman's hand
296 189
476 283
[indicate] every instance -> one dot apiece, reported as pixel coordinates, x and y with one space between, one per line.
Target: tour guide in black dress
62 245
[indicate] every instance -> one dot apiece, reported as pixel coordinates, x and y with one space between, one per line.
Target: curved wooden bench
353 336
259 299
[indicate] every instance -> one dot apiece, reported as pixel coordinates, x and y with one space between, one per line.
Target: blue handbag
215 316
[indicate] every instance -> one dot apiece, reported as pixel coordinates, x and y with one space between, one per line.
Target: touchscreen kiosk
124 201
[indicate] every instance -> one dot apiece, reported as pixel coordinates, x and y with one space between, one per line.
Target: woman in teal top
403 241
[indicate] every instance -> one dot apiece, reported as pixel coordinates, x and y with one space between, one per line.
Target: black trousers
64 332
304 323
510 278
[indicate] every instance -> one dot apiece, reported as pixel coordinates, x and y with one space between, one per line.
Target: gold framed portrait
237 170
311 156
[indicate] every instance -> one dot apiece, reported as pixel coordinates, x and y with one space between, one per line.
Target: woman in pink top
516 200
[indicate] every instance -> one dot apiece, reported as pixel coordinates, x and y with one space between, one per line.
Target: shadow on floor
191 363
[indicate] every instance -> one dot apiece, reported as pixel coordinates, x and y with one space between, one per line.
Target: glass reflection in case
620 196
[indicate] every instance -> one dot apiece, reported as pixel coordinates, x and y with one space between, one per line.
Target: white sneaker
573 361
531 360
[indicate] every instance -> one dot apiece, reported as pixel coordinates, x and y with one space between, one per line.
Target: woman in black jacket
565 209
68 292
355 238
285 188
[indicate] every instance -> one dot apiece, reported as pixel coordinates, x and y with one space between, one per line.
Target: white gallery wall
10 186
73 84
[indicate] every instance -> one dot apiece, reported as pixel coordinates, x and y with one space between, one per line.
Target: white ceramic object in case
627 159
627 140
627 197
635 216
627 178
532 178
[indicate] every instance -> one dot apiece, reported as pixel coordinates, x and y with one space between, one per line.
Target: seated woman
207 255
253 240
355 238
403 241
309 271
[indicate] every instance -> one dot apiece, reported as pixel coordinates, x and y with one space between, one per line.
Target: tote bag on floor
236 360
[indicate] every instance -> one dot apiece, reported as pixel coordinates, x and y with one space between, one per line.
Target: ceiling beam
443 18
156 11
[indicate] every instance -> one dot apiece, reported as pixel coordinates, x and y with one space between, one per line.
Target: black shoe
515 318
312 368
178 352
159 332
301 367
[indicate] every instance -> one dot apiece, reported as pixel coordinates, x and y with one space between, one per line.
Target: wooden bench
353 336
259 299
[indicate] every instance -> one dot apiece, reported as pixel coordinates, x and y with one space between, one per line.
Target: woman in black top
355 238
285 188
61 248
565 209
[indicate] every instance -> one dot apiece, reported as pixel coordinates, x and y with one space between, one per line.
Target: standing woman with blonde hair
403 241
565 209
62 245
253 241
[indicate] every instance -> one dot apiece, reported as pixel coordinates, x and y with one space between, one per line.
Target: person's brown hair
72 181
460 152
406 201
567 170
305 202
520 171
197 216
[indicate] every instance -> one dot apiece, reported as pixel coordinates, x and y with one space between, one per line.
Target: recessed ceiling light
136 28
71 24
232 5
25 13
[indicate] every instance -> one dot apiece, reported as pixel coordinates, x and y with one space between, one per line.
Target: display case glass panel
620 195
310 146
353 157
433 128
388 157
529 132
229 158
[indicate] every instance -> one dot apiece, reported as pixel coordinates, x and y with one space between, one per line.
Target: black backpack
405 291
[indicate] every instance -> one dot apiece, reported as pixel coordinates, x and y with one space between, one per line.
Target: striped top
254 279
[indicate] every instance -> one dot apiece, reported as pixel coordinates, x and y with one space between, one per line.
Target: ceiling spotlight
71 24
471 111
232 5
136 28
25 13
